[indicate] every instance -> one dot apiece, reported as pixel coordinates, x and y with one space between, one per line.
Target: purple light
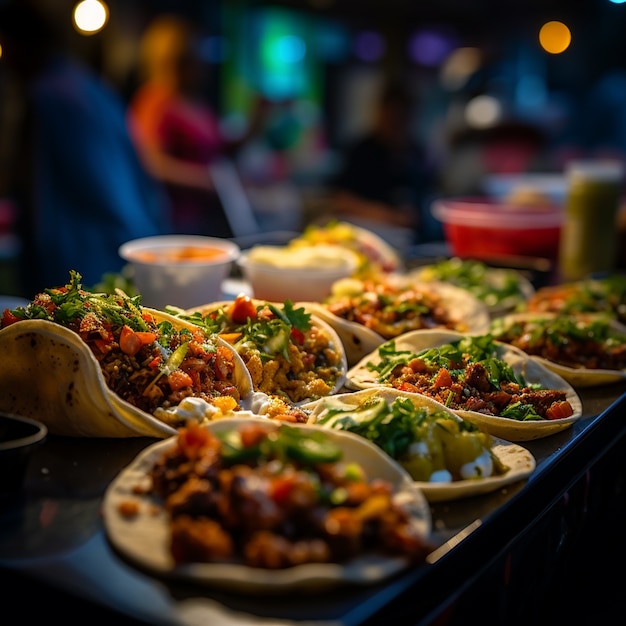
430 48
369 46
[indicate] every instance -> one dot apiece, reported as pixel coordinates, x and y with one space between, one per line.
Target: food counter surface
495 550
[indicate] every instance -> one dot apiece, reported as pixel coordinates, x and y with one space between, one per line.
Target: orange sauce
186 254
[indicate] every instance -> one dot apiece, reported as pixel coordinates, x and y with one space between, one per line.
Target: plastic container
307 273
483 228
589 243
183 271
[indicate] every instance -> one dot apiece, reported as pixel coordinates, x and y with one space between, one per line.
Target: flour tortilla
377 249
578 377
495 277
519 460
377 253
316 320
49 373
467 312
145 539
360 377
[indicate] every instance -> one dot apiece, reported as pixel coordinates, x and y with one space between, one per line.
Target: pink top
188 131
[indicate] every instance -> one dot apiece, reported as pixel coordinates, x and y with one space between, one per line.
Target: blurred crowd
88 164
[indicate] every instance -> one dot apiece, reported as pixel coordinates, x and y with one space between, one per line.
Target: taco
449 457
101 365
584 349
365 313
375 254
259 507
501 289
492 384
288 351
598 295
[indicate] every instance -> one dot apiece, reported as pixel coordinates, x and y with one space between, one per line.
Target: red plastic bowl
485 228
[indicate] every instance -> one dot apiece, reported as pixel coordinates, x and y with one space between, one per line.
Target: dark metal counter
496 551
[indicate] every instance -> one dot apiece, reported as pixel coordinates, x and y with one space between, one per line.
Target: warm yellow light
90 16
555 37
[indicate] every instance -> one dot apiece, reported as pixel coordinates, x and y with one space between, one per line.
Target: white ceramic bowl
307 273
179 270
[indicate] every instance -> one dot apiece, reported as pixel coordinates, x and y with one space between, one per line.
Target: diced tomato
297 336
443 379
147 337
130 343
179 380
281 489
405 386
560 410
155 362
242 309
8 318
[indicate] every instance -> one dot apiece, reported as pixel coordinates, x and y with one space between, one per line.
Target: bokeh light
555 37
459 67
430 47
483 111
90 16
369 46
290 49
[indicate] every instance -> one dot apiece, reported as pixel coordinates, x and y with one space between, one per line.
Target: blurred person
511 146
80 188
176 129
385 177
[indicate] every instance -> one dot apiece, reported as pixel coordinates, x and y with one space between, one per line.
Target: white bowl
307 273
179 270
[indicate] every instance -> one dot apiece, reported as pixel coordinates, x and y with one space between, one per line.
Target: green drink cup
588 242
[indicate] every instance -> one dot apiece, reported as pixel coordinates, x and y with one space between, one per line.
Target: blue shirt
90 190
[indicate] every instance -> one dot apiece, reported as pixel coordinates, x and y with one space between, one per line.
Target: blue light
290 49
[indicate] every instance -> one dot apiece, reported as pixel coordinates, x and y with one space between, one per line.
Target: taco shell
361 377
519 461
48 373
466 311
316 320
578 377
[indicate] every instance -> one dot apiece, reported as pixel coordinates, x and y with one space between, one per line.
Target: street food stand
505 554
